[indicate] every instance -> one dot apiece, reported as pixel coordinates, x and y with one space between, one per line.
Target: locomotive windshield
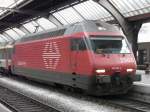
112 45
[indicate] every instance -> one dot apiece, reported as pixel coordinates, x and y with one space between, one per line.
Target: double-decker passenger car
90 55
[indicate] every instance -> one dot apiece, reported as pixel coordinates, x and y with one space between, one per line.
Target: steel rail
19 103
131 104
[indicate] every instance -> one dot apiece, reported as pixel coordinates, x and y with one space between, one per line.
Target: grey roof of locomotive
84 26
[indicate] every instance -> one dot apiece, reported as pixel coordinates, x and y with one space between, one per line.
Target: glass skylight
46 24
88 10
8 4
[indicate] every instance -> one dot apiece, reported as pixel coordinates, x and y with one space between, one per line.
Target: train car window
1 54
78 44
9 51
74 45
82 45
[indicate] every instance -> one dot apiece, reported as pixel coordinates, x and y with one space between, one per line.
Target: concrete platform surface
60 100
141 89
145 78
4 109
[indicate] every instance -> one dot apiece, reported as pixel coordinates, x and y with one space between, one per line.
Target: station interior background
88 10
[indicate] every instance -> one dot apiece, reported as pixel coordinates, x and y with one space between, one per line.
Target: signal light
100 71
130 70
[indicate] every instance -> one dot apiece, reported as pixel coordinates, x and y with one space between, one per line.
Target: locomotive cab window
78 44
109 45
1 54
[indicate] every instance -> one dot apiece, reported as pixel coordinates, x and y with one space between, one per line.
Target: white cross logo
51 55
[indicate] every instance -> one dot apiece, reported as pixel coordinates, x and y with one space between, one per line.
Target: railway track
122 101
125 102
19 103
131 104
25 104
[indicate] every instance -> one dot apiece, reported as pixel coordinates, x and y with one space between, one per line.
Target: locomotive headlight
100 71
130 70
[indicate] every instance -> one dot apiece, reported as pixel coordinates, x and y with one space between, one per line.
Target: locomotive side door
74 52
77 48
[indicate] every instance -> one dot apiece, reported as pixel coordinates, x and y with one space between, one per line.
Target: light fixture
100 71
130 70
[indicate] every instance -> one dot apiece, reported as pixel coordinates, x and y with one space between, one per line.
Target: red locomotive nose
112 63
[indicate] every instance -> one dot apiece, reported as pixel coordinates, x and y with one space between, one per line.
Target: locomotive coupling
107 79
103 79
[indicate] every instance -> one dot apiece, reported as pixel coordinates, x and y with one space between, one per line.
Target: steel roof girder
16 33
54 20
78 13
8 37
6 40
26 31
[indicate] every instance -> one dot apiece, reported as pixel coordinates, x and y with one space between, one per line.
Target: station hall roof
21 17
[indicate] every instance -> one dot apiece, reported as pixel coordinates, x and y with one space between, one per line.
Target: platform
142 86
64 102
145 78
141 89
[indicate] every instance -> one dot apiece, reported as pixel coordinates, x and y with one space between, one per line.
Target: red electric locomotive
90 55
